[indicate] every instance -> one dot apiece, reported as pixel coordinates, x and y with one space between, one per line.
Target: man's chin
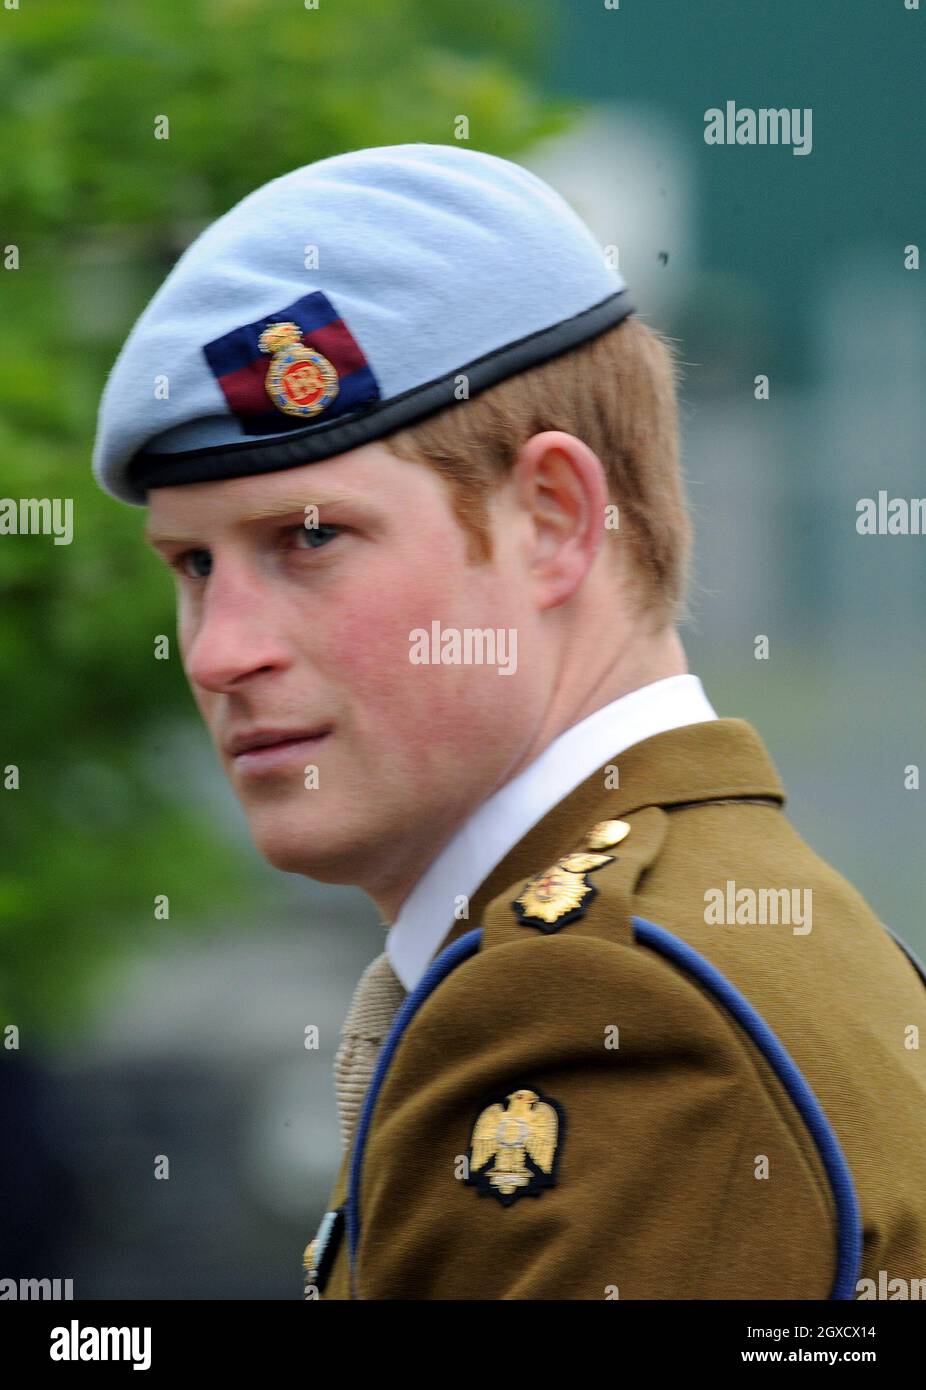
310 855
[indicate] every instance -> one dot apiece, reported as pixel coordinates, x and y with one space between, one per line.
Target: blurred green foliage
98 210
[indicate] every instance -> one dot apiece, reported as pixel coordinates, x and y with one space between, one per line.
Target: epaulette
588 890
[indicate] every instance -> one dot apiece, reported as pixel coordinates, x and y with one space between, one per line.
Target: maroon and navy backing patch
295 365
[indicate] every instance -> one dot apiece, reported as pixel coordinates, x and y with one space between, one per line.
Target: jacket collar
720 760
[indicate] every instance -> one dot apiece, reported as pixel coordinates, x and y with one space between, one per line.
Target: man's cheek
371 635
372 659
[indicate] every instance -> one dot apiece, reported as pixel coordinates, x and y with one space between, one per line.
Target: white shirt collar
505 817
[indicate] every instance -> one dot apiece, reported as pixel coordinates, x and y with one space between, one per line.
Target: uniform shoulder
586 890
639 1087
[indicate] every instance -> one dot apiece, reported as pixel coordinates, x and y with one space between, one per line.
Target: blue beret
343 301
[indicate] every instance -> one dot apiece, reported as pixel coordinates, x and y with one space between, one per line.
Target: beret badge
300 380
316 365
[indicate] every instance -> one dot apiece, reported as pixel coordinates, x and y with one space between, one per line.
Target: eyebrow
279 507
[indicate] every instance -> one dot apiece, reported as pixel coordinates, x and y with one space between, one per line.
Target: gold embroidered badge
513 1151
607 833
561 893
300 380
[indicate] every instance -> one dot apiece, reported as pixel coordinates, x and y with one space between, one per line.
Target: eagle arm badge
514 1147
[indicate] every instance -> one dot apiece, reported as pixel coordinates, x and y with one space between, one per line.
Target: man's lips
265 749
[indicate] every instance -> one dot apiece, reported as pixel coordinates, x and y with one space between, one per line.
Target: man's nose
233 638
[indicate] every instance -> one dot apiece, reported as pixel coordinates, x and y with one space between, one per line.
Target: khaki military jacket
679 1058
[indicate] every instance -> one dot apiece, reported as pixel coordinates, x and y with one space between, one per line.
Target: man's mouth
266 750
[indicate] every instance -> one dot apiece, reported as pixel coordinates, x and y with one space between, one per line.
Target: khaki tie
375 1003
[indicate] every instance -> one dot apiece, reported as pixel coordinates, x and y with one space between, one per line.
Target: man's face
302 633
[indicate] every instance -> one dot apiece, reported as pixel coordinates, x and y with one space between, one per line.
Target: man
414 463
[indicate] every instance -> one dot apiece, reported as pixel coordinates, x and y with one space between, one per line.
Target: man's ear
560 485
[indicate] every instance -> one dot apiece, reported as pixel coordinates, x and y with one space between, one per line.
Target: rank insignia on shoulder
560 894
515 1146
606 834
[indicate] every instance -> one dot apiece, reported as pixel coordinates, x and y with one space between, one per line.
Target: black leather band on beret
325 439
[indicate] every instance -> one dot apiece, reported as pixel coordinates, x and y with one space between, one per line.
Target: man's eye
193 564
197 564
316 536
